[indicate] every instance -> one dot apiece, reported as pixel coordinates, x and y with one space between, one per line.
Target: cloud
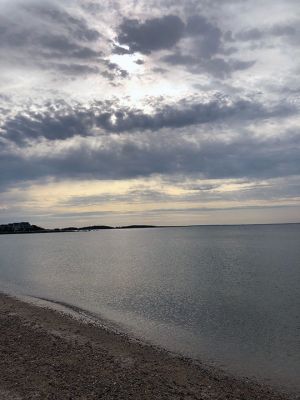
278 30
61 121
217 66
151 35
202 39
76 26
204 193
250 34
208 36
113 71
33 34
242 156
165 32
53 125
47 36
73 69
56 46
284 30
136 195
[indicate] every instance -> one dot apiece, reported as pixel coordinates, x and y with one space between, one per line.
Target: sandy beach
49 355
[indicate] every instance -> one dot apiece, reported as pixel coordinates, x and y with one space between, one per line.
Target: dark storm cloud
61 122
211 158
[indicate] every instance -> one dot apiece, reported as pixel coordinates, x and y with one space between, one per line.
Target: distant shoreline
107 227
26 227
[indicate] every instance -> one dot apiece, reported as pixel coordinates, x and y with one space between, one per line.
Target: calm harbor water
228 295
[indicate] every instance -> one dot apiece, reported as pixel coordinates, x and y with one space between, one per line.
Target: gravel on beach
45 354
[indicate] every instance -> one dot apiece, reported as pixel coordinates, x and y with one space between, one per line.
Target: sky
170 112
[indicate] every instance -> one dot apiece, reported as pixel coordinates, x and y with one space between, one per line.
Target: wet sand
45 354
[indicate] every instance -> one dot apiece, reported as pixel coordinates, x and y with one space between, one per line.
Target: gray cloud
113 71
49 37
284 30
76 26
34 35
217 66
250 34
151 35
61 122
278 30
56 46
205 43
73 69
50 125
165 32
209 158
208 36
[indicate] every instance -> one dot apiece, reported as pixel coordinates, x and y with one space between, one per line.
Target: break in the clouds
167 111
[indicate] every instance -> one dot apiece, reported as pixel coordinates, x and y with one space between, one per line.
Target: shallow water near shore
226 295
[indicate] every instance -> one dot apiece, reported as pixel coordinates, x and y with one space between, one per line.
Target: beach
46 354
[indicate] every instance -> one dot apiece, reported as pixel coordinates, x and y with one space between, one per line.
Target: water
226 295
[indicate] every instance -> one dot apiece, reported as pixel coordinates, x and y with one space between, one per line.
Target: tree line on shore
26 227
